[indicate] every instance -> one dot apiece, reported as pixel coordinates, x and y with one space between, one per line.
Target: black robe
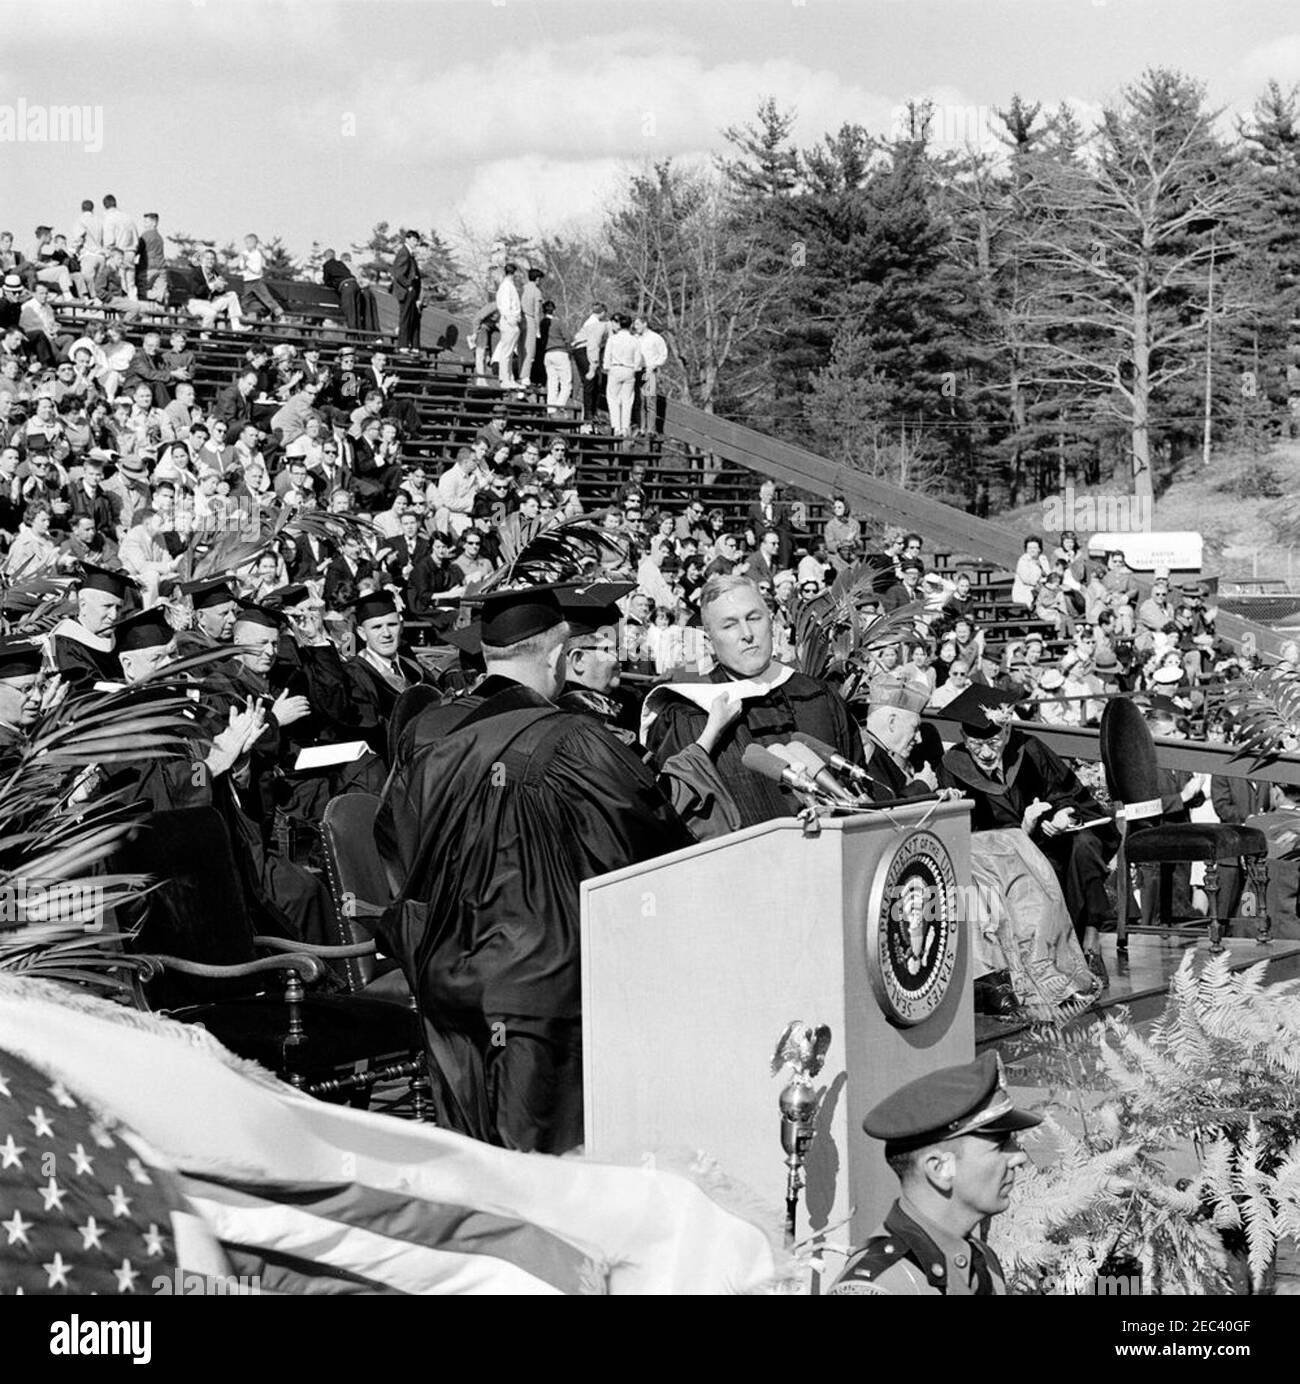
80 664
888 779
799 704
296 901
374 697
504 806
1032 770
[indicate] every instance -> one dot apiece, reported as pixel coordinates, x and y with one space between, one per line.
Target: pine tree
1124 249
374 256
442 277
280 263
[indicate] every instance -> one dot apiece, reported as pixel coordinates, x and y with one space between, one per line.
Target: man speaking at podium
777 702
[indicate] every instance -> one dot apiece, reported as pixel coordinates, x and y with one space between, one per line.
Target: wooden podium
693 964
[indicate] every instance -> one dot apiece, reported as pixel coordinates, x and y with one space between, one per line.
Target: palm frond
539 553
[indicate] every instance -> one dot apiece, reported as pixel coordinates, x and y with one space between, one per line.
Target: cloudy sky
313 119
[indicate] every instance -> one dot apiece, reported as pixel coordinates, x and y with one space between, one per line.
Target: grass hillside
1240 504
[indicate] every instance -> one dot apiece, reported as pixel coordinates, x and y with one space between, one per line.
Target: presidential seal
912 928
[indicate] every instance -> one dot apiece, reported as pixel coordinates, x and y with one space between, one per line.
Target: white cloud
637 98
532 194
1278 60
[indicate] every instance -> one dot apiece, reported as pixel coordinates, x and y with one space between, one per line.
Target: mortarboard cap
510 617
589 609
145 629
982 711
20 657
103 579
253 614
946 1104
212 591
374 606
284 596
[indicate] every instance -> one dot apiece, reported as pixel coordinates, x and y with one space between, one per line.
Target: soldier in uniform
951 1139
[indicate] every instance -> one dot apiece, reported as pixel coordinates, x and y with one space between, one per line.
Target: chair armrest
306 965
283 944
358 908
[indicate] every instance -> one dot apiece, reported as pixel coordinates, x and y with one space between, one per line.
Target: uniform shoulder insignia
864 1270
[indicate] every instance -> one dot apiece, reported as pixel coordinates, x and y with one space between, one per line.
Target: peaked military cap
945 1104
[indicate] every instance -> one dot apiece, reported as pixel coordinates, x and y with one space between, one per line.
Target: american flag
81 1211
316 1198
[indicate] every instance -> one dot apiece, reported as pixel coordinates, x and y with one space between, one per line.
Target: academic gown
374 696
248 797
888 778
505 805
84 658
1032 770
799 704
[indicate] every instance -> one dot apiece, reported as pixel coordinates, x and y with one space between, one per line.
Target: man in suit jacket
406 289
345 574
310 557
234 405
1234 800
767 512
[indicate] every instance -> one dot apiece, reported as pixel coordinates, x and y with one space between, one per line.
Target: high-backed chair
357 882
1128 752
208 966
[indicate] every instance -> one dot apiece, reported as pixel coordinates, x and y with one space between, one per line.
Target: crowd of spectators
114 452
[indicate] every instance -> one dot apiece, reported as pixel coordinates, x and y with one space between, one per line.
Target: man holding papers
777 702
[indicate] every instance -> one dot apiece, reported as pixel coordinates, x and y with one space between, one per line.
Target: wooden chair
208 966
1128 752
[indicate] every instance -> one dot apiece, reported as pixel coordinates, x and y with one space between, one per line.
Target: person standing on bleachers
87 239
588 353
120 232
406 282
510 316
532 307
622 359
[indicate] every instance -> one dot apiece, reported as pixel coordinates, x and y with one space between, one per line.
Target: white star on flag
17 1229
81 1161
4 1086
101 1136
52 1195
57 1271
60 1093
10 1152
153 1241
90 1234
40 1122
119 1201
126 1277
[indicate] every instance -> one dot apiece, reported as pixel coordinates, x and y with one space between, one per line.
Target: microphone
831 756
802 756
760 761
